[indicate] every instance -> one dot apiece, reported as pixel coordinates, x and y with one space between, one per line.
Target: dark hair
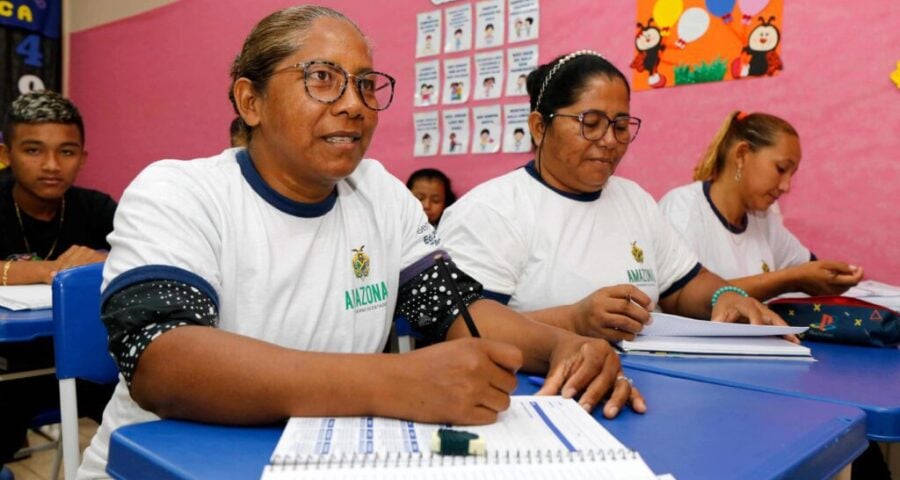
490 25
433 174
487 131
427 135
519 130
759 130
273 39
41 107
529 20
568 76
458 30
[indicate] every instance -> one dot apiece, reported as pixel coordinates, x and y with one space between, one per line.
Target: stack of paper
687 336
26 297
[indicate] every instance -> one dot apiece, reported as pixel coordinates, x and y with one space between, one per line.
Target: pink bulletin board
155 86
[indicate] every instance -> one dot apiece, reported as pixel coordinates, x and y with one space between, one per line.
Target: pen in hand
454 291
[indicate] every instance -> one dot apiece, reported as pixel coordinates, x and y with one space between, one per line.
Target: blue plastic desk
694 430
867 378
25 325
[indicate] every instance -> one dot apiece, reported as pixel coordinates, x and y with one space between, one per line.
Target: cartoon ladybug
758 57
649 44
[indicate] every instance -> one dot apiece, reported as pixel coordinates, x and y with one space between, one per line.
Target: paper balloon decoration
665 13
692 25
721 8
749 8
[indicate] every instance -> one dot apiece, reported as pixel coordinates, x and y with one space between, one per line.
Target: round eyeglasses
326 82
594 125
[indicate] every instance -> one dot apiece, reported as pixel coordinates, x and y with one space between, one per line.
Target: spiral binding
431 459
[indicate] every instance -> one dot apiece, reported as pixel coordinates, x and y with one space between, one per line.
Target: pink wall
154 86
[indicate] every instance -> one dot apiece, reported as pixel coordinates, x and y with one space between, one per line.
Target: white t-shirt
542 248
313 277
729 251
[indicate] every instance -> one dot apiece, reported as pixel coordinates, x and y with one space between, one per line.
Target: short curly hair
41 107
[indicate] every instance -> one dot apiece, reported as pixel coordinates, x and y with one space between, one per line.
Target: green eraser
457 442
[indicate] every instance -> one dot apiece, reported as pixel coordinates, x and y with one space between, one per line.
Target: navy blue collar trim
731 228
579 197
277 200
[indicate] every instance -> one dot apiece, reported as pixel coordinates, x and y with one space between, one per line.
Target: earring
737 175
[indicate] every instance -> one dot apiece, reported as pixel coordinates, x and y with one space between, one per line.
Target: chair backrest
79 337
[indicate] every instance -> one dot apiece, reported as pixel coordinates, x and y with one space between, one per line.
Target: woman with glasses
261 283
569 243
730 217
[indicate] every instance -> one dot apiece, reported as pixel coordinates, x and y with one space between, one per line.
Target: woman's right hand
827 277
613 313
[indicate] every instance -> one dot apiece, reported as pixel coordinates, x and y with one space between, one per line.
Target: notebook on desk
26 297
535 436
675 335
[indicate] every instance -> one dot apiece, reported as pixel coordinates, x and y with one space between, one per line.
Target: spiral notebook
537 437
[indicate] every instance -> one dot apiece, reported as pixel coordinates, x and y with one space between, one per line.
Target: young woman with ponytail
730 215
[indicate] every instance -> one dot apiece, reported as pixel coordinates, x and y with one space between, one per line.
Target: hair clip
559 64
741 115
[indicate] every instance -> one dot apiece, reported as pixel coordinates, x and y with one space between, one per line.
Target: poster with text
682 42
488 74
489 23
428 134
524 20
516 136
457 78
428 79
519 63
456 131
428 38
488 129
459 28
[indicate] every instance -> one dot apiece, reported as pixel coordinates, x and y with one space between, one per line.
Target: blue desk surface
25 325
693 430
867 378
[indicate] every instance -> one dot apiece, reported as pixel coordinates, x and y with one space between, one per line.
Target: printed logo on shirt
430 236
366 297
360 262
765 267
636 252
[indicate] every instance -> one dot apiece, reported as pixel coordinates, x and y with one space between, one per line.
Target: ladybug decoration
758 57
649 44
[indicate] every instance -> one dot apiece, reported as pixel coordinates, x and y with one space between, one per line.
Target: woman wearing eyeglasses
569 243
730 218
261 283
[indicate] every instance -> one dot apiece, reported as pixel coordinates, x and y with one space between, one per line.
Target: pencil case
838 319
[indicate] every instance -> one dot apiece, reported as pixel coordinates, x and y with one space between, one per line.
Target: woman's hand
826 277
612 313
732 307
591 368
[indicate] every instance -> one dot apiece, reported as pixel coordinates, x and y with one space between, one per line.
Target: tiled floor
40 464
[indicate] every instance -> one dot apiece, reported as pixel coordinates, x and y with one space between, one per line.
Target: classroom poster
519 63
488 75
680 42
457 78
459 28
488 129
428 134
428 39
516 135
427 79
524 20
489 23
456 131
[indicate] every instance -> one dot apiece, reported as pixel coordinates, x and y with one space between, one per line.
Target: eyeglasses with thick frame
326 82
594 125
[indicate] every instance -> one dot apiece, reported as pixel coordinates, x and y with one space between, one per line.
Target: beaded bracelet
727 288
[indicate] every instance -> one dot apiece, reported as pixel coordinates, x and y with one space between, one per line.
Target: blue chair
80 342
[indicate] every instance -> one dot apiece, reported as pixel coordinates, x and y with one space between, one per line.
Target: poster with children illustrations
457 80
456 131
519 63
428 38
682 42
428 134
524 20
489 23
488 129
488 75
516 136
459 28
428 82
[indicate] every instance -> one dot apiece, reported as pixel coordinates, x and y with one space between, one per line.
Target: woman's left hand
591 368
733 307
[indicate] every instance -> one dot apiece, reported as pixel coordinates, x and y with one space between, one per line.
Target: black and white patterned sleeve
426 300
139 313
